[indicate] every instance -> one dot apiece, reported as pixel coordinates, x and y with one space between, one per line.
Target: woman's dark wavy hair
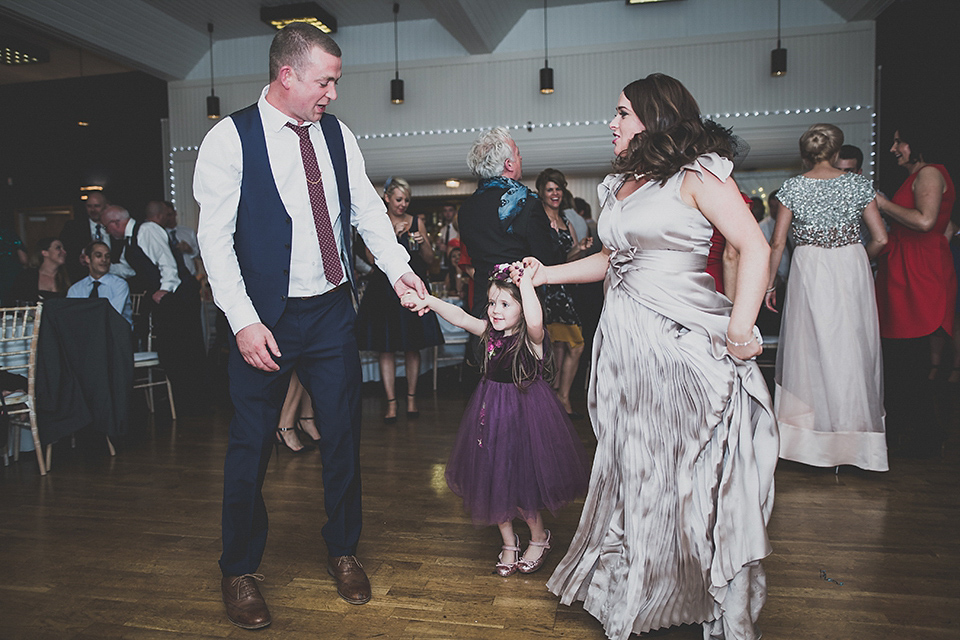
674 136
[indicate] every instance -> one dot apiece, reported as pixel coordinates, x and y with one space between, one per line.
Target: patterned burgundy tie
318 201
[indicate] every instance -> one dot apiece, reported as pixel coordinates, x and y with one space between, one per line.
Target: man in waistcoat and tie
280 184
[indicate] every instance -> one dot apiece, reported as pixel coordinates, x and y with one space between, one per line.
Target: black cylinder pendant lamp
778 57
396 85
213 102
546 73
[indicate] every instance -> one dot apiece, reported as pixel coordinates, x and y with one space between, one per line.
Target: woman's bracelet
756 336
772 289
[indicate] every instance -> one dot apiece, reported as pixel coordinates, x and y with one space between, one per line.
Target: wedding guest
916 292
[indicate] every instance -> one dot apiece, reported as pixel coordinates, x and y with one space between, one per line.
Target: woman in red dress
916 292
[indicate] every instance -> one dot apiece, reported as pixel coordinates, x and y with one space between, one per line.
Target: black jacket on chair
84 369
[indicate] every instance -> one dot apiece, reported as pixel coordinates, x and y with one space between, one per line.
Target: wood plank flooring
126 547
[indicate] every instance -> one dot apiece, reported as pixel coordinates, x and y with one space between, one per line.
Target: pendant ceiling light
396 85
778 57
213 102
308 12
546 74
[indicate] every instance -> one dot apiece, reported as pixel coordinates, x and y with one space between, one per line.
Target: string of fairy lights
531 126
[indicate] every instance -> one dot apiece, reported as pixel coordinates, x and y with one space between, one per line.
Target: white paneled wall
448 100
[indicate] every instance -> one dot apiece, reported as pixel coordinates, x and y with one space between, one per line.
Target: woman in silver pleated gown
674 524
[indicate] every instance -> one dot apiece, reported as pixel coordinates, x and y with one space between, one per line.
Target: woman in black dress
383 324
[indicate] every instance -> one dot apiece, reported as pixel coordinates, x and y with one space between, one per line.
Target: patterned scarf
513 200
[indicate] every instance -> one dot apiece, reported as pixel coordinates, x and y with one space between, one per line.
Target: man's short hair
292 45
490 151
88 250
850 152
155 210
115 211
582 207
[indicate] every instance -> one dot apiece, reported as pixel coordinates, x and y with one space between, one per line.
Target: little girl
517 452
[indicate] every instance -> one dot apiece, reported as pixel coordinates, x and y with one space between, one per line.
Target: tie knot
303 132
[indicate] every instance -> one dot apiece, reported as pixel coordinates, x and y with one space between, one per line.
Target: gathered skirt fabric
673 527
829 396
516 453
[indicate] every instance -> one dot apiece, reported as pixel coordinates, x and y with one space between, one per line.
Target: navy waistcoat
264 229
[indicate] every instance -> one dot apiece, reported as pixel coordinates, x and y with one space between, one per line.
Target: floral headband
501 272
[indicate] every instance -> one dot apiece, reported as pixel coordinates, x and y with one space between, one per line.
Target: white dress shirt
113 288
216 187
189 236
155 243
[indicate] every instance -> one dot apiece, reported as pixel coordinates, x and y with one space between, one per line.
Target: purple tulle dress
517 451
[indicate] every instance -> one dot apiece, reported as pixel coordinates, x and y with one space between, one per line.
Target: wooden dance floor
126 547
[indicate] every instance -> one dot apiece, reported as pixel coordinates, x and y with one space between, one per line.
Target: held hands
409 282
411 301
256 344
519 275
538 275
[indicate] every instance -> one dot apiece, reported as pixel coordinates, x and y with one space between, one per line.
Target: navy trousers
316 337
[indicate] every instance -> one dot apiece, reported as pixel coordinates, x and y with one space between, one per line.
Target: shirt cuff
242 316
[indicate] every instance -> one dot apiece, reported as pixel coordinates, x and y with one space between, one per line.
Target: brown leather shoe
246 608
352 583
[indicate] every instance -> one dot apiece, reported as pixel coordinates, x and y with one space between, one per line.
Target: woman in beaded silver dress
829 375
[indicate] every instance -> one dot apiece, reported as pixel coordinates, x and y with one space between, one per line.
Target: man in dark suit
280 184
503 221
80 232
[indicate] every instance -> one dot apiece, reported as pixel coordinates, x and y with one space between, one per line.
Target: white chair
19 333
145 359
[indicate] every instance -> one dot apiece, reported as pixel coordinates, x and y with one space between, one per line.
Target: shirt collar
128 231
273 119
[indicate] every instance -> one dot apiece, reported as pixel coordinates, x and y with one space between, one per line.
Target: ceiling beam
130 31
479 27
852 10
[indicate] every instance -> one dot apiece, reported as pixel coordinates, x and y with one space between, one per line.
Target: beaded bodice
826 213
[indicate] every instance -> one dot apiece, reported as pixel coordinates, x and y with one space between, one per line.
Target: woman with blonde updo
383 325
829 374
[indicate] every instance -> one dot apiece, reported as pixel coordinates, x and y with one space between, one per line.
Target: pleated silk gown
674 524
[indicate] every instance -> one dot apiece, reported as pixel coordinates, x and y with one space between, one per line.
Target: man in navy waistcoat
280 184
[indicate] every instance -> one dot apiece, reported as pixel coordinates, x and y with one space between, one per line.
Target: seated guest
47 281
146 255
101 283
